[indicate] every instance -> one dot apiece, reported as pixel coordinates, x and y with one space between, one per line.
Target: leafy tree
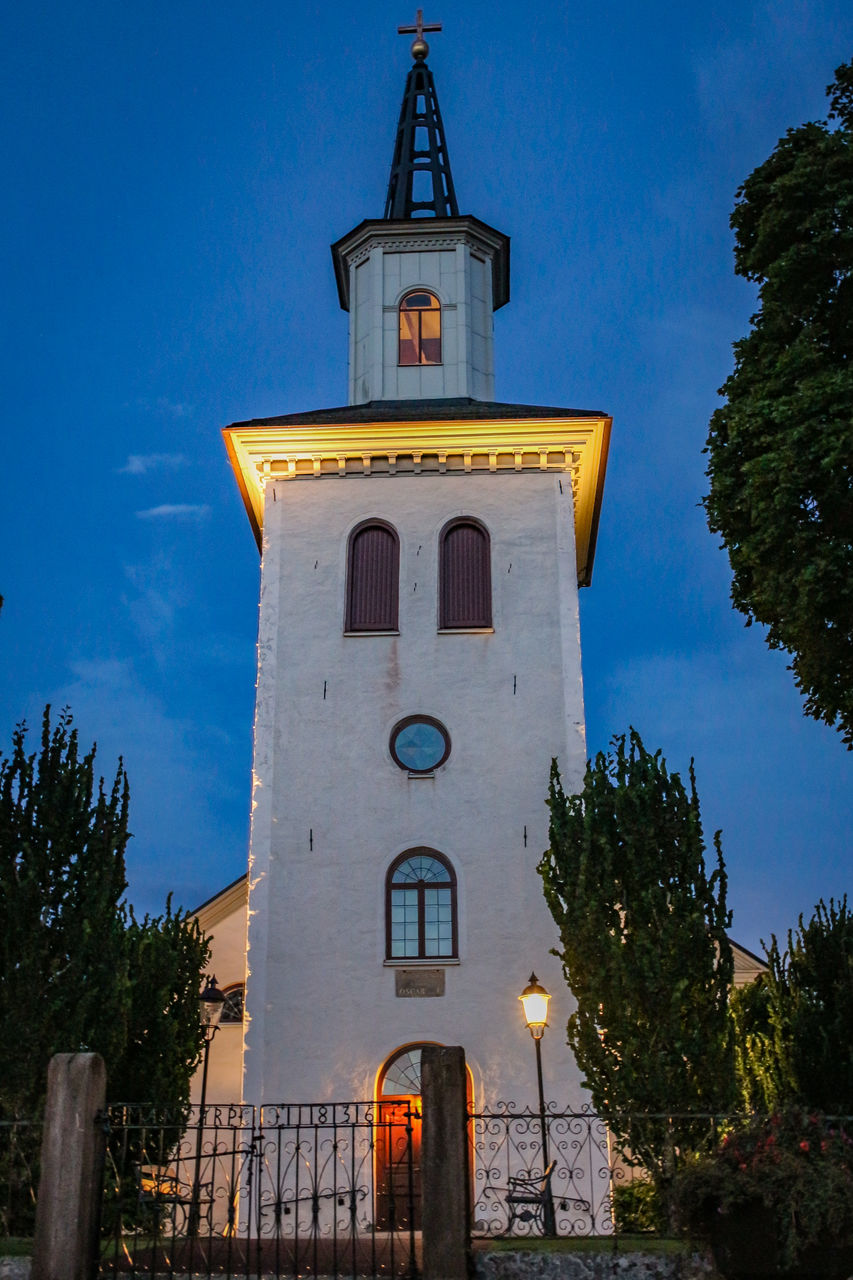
76 972
781 449
794 1024
749 1013
165 957
644 949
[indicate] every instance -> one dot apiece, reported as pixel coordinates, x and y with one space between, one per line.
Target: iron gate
314 1189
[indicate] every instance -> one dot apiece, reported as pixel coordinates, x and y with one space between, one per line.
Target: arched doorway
398 1177
398 1141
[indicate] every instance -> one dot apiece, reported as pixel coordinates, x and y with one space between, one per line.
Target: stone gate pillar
72 1161
444 1164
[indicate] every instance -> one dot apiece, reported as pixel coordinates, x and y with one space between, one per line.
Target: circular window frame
404 724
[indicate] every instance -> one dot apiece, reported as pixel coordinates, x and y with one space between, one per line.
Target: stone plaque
419 982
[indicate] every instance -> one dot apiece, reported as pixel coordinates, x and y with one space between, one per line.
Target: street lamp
210 1004
534 1000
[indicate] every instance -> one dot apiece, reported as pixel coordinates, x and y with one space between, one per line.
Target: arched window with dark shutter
373 574
465 576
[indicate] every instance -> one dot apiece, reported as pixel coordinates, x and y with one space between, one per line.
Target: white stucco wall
331 810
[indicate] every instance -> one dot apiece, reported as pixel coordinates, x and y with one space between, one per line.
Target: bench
525 1198
161 1187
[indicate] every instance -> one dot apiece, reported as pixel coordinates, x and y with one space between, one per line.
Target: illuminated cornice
296 452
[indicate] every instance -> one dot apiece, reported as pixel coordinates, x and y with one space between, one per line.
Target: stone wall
14 1268
531 1265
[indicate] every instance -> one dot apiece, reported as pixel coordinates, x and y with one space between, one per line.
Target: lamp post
534 1000
210 1003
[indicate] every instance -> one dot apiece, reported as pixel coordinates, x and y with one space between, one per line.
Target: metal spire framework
421 183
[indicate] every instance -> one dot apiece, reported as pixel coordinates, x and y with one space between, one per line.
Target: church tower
418 668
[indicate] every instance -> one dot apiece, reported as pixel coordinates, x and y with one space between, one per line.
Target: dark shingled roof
444 410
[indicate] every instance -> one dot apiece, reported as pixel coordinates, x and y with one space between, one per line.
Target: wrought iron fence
334 1190
564 1172
275 1190
20 1146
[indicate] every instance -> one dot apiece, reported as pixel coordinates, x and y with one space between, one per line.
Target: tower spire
421 183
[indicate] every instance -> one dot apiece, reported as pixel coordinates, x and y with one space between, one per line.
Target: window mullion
421 921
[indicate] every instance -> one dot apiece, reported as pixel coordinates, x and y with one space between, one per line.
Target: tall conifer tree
63 978
644 948
75 972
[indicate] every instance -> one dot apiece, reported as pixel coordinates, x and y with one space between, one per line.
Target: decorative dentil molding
396 244
291 453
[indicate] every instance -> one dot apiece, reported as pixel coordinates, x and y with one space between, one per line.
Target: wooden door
397 1153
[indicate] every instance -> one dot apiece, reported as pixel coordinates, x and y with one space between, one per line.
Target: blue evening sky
175 175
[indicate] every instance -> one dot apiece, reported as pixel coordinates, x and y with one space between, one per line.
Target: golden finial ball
420 49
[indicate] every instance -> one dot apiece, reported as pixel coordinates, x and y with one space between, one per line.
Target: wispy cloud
175 511
161 404
106 673
153 604
139 464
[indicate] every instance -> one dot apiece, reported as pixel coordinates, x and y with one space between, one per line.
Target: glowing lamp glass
534 1000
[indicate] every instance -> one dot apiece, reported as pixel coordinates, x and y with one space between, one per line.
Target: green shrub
637 1208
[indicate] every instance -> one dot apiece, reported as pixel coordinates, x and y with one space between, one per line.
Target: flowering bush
798 1165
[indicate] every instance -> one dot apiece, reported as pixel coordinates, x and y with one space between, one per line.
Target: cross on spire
420 48
420 27
420 182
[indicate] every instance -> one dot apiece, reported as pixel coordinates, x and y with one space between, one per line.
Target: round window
420 744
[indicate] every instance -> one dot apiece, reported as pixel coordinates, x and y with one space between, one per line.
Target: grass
587 1244
15 1247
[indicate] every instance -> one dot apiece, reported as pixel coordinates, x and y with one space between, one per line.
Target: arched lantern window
420 328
